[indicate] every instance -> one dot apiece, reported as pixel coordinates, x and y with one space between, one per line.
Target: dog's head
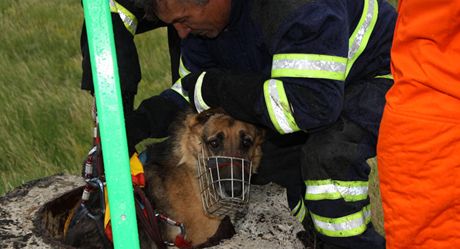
225 136
230 149
215 133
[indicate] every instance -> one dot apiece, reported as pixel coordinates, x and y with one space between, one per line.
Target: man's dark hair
201 2
150 6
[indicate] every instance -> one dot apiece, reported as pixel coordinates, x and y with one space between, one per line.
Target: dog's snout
233 189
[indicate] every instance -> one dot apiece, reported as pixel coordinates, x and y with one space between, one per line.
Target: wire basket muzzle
224 184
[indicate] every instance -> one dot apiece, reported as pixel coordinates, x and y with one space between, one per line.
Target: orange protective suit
419 142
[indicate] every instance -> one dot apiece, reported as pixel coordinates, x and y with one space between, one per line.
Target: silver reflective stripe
200 105
177 87
315 66
333 189
360 37
346 226
183 71
309 66
129 20
279 109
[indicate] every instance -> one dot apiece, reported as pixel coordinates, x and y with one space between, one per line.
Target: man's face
206 20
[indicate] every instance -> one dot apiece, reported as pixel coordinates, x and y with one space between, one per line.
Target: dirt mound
31 216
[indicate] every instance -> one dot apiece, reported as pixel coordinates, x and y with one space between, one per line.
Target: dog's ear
261 132
188 137
204 116
258 140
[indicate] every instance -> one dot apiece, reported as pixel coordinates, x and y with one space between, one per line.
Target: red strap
147 218
182 243
138 180
108 231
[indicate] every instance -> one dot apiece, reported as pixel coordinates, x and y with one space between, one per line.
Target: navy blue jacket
302 49
289 64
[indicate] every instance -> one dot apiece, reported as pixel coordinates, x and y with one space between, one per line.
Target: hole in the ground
52 216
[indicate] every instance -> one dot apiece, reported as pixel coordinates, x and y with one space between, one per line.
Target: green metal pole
111 123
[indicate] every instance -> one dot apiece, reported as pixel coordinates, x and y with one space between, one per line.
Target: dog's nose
233 191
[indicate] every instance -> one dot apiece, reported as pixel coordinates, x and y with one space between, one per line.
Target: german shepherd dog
172 183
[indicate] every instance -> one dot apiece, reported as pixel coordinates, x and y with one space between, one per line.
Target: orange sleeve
425 58
418 149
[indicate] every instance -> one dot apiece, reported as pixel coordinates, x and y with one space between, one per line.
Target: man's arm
292 99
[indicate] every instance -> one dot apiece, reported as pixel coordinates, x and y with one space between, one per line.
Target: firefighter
314 73
419 142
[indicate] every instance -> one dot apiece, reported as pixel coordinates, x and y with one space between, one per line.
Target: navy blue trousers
334 156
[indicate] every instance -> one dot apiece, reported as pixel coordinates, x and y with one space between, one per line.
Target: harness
97 207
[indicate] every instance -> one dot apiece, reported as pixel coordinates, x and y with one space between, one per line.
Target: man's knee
332 152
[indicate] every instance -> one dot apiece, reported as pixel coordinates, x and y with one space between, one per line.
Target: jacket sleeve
306 88
128 19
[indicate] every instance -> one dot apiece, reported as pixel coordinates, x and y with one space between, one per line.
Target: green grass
45 122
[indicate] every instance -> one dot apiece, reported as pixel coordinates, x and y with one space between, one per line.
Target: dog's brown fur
171 172
172 176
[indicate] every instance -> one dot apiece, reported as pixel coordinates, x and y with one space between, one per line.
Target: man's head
199 17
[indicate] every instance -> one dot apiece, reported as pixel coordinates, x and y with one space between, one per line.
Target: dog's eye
247 142
214 143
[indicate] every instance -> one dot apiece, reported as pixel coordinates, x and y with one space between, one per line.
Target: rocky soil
267 224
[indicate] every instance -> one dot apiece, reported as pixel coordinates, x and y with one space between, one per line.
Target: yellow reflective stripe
360 37
200 105
129 20
278 107
300 216
177 87
346 226
334 189
387 76
309 66
183 71
296 208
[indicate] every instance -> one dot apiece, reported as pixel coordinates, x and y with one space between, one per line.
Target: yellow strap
69 219
136 165
107 208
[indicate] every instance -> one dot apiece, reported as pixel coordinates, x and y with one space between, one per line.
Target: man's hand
150 120
236 93
203 88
